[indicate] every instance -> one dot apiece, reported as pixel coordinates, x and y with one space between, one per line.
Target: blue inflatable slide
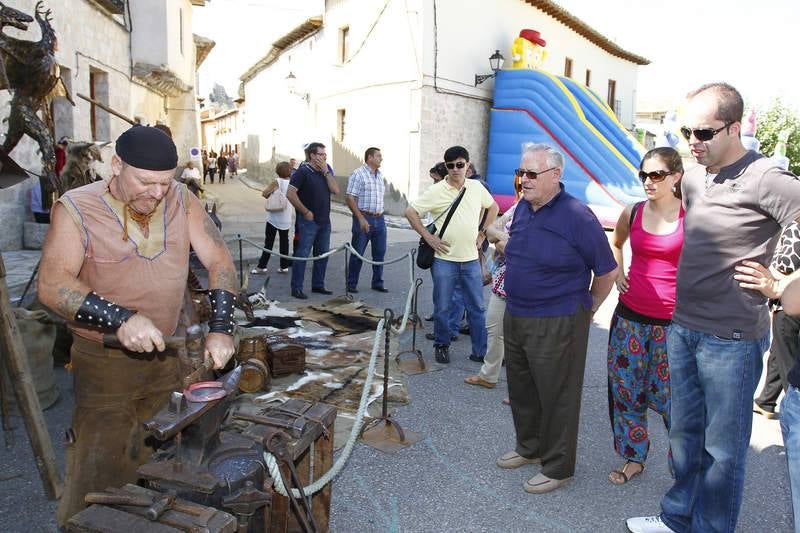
602 158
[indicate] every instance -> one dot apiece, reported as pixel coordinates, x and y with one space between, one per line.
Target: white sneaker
647 524
283 270
258 270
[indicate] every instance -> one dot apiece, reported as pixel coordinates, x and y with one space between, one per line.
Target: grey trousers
545 359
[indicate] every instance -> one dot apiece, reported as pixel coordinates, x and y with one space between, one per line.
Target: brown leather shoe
477 380
514 460
539 484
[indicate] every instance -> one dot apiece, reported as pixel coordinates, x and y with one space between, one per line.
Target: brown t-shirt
734 216
145 274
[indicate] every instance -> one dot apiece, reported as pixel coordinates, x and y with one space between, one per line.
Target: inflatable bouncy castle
531 105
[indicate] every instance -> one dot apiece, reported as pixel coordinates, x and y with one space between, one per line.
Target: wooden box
285 357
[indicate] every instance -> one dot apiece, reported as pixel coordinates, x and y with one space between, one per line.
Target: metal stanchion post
383 432
241 264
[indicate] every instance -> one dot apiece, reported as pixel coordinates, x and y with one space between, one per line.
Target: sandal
621 473
477 380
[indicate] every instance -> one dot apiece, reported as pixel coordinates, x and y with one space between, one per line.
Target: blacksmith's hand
754 276
220 348
364 225
437 244
139 334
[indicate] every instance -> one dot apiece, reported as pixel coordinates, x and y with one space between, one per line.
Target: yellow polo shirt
462 231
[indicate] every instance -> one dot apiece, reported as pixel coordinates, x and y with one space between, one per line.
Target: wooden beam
13 351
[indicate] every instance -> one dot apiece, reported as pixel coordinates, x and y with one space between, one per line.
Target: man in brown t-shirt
115 261
736 202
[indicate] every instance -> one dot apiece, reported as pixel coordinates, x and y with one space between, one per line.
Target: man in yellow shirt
456 258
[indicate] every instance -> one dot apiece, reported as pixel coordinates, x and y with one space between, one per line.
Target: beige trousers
493 362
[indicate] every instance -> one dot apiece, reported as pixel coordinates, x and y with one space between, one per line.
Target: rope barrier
316 486
269 459
347 246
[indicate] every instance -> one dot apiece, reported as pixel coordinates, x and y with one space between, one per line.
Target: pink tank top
654 269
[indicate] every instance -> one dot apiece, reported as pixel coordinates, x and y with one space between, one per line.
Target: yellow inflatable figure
528 50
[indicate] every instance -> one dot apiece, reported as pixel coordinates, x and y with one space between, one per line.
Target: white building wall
378 87
151 31
457 46
457 22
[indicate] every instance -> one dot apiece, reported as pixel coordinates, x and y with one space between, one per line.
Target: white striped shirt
367 188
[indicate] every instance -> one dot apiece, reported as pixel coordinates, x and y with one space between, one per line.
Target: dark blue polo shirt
312 189
550 257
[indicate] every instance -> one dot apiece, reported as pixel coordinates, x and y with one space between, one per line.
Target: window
99 119
568 67
588 78
612 94
344 44
341 123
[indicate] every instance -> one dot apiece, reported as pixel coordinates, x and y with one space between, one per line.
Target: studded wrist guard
99 312
221 320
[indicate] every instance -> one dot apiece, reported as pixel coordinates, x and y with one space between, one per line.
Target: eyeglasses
702 134
656 176
451 166
530 174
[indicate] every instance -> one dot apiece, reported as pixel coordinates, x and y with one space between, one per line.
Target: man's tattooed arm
211 249
68 302
224 278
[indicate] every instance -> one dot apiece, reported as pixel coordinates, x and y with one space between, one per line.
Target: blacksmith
116 261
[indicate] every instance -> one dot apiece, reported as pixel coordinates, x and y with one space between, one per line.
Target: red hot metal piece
205 391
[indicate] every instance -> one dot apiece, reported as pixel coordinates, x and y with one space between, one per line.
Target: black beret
147 148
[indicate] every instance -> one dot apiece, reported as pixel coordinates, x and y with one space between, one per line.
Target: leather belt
370 213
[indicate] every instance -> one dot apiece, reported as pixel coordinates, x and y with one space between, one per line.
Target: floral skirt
638 378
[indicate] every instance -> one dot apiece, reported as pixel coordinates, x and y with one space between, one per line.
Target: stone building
138 57
222 130
401 76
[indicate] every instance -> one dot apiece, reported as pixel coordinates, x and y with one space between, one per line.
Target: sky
244 31
750 44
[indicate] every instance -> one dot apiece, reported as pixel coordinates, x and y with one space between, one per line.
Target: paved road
448 481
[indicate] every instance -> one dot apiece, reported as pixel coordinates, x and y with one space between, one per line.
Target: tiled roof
581 28
304 30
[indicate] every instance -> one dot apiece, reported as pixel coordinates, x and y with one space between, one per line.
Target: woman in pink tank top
638 372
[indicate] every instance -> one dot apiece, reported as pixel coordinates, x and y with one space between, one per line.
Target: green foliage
771 123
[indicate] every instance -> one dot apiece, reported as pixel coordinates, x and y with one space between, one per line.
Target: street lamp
495 63
291 83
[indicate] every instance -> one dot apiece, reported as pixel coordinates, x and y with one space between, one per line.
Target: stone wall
451 120
14 210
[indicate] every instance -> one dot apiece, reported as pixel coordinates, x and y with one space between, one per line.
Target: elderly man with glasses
736 202
555 245
456 259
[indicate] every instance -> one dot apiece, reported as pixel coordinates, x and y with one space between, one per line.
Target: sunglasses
451 166
656 176
530 174
702 134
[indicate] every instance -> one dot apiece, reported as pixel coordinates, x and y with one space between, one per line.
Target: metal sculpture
29 70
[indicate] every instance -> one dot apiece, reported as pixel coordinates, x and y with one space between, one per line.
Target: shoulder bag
425 253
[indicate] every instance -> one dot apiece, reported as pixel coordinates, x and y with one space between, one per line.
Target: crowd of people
689 329
686 339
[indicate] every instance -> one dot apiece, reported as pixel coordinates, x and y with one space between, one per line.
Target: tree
777 119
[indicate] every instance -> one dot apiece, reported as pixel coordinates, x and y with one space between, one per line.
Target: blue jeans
713 382
377 236
312 236
790 427
468 274
456 310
